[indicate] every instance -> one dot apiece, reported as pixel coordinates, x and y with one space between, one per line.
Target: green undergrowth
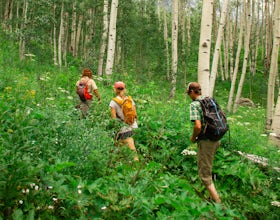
55 165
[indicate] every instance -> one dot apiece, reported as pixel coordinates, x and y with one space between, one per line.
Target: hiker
124 111
85 88
206 148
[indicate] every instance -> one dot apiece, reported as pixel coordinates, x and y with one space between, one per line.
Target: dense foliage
56 166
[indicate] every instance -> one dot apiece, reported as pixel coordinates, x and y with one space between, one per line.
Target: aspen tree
78 35
61 35
54 37
183 28
73 28
268 37
165 35
8 13
88 33
237 59
188 27
275 123
218 48
112 38
103 39
246 55
65 36
205 46
174 47
23 26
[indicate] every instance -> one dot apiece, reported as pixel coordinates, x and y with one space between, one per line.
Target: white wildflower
55 199
23 191
275 203
79 186
49 187
50 207
36 187
103 208
20 202
27 191
187 152
51 99
80 191
32 185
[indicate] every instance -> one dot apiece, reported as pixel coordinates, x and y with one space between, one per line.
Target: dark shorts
124 133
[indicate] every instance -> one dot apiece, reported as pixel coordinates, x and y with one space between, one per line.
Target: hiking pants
205 157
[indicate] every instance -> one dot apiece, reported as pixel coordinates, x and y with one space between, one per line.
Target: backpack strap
118 101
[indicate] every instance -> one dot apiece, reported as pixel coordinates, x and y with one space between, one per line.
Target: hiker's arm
196 130
113 113
96 93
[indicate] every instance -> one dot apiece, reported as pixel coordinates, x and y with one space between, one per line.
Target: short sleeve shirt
196 110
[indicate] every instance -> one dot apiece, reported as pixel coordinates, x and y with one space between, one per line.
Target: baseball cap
193 86
119 85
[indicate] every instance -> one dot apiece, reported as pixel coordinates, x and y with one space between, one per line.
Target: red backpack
83 91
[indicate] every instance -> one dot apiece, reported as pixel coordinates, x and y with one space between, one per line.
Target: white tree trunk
218 48
165 35
88 35
112 38
237 59
54 38
73 28
205 46
22 37
246 55
61 36
104 37
174 46
275 123
77 38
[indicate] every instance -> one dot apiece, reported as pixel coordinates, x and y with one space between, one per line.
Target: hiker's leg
213 193
205 157
130 143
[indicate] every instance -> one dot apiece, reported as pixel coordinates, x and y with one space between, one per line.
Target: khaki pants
205 157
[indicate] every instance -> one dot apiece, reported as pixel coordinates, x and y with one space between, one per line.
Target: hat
193 86
119 85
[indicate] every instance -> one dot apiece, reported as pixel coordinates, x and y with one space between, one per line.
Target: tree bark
174 47
218 48
61 36
103 39
22 36
237 59
73 29
54 37
8 13
274 120
78 35
112 38
246 55
205 46
165 35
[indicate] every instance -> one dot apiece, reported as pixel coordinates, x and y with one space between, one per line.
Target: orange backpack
83 91
128 109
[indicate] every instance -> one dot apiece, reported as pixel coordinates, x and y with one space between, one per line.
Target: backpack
214 119
83 91
128 109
